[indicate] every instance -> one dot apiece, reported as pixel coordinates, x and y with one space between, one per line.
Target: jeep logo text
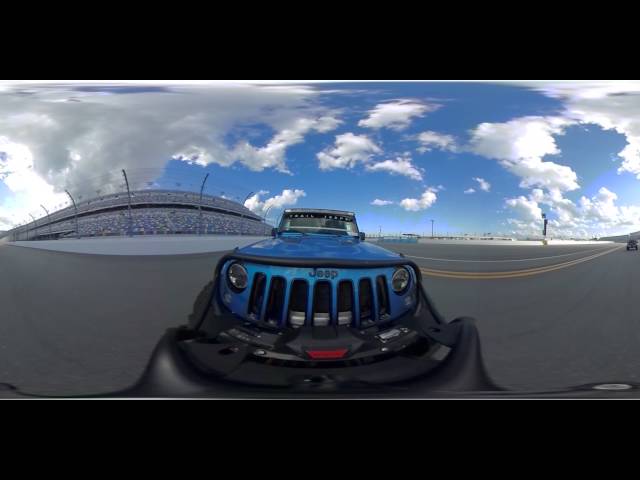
324 273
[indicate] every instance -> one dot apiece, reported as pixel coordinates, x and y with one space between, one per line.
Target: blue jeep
318 271
316 297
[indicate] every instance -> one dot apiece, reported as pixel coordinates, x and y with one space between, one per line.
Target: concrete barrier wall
427 241
396 240
151 245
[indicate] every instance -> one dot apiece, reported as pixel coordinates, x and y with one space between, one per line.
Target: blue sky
498 154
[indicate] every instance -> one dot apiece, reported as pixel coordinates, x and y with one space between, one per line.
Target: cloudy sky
474 157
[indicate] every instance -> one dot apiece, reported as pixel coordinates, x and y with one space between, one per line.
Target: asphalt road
549 316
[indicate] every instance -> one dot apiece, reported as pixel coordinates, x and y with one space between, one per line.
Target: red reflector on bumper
327 354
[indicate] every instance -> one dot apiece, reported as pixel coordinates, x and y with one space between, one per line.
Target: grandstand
153 212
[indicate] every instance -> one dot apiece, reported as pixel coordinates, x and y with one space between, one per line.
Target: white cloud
595 216
612 105
286 199
584 89
527 209
566 211
349 150
430 140
621 114
427 199
520 145
399 166
29 190
602 209
273 154
469 191
80 138
381 203
253 203
484 185
396 115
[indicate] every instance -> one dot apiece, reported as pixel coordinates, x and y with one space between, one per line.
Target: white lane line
498 261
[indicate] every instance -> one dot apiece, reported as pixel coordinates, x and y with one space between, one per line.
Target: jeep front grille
275 304
322 304
319 303
345 303
383 297
257 296
366 301
298 303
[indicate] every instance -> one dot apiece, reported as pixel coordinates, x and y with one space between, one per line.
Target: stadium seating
111 217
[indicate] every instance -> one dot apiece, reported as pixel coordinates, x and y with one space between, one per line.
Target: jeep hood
320 247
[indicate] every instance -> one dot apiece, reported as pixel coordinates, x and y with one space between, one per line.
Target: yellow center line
513 273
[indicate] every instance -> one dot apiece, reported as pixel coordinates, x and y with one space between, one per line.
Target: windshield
320 236
319 223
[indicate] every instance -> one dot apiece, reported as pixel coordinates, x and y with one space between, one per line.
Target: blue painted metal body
310 246
317 247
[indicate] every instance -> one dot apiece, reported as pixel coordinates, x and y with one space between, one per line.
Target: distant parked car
632 245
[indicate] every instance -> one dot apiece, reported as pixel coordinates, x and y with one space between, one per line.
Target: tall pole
267 214
431 228
247 198
126 182
48 220
200 205
242 214
76 215
35 222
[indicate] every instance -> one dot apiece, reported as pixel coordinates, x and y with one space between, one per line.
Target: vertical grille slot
366 300
257 294
383 297
275 303
322 304
345 303
298 303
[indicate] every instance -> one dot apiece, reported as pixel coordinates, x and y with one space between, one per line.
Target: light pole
126 181
35 223
200 205
76 214
267 213
242 214
48 220
432 228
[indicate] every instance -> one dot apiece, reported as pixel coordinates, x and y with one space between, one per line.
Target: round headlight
400 280
238 276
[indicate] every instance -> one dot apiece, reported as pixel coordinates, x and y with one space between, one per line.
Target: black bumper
205 361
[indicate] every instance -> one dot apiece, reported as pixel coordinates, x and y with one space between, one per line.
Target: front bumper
184 366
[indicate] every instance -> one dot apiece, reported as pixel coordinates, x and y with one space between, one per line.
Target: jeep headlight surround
237 277
400 280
